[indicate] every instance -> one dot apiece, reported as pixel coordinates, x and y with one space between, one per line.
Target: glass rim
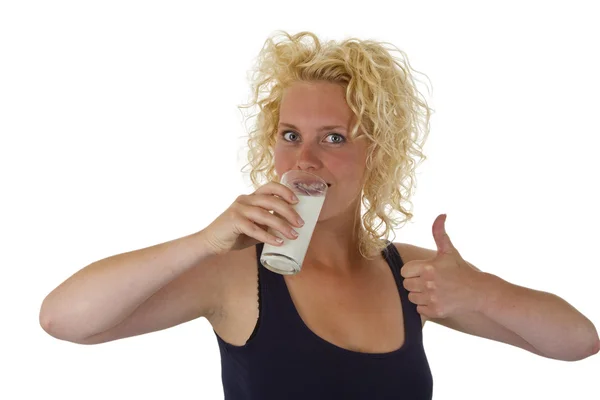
302 172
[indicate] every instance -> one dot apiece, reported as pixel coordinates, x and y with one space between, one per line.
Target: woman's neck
335 243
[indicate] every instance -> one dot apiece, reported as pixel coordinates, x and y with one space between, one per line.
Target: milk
287 259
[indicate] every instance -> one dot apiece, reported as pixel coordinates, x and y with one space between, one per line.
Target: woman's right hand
246 221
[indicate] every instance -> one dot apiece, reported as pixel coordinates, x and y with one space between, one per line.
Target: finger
442 239
278 205
252 230
411 269
278 189
261 216
424 310
413 284
418 298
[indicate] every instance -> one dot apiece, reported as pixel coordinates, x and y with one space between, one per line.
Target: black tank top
284 359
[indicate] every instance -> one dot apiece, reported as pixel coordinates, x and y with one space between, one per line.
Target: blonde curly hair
382 94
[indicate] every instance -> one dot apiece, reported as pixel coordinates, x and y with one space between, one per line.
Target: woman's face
313 136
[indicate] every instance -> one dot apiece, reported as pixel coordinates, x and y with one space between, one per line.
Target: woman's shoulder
409 252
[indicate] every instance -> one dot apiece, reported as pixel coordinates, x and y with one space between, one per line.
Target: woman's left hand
444 285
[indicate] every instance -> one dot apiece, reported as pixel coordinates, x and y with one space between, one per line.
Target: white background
120 130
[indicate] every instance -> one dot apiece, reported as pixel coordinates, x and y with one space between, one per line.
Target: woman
349 324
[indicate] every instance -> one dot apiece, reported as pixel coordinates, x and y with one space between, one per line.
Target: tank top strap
276 306
412 318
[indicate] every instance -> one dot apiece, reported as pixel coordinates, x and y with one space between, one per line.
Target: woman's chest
361 313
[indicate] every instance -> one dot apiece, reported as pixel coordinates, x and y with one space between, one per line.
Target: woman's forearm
544 320
105 292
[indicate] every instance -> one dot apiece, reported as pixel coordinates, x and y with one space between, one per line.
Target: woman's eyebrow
323 128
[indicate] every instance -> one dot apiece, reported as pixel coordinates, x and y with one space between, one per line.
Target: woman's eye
290 136
336 138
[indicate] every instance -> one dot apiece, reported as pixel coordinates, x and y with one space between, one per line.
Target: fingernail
294 199
294 233
300 222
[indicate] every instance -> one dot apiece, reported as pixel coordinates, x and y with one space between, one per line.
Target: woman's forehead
313 116
316 98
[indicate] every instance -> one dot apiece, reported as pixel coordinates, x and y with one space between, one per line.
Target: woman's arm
546 321
134 292
471 301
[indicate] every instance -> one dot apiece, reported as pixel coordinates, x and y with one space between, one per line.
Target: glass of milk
311 190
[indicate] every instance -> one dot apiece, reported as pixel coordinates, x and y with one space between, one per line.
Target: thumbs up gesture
444 285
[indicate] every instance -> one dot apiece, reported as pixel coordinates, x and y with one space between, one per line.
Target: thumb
442 240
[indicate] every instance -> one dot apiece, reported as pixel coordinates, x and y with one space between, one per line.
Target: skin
342 297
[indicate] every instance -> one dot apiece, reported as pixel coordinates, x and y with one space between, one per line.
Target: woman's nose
308 158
